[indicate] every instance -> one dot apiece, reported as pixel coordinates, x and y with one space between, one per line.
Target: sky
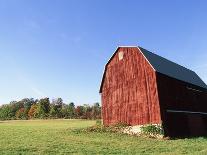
58 48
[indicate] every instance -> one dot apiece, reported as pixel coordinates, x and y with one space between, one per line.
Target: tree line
30 108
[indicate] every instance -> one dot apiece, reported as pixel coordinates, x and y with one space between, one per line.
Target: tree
43 108
64 111
87 111
71 104
15 106
58 102
79 111
29 108
96 111
20 114
6 112
71 110
53 111
57 108
28 102
33 111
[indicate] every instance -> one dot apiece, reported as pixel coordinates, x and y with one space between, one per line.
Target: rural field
59 137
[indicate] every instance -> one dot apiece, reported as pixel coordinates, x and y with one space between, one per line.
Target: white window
121 55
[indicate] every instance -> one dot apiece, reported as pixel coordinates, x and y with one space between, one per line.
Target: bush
116 128
152 130
98 122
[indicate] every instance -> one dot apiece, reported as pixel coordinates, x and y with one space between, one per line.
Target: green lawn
56 137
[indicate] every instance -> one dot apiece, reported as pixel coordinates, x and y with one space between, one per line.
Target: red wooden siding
129 90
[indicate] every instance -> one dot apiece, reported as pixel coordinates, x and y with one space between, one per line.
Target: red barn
139 87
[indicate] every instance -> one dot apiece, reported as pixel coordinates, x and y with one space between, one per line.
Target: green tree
6 112
53 111
43 108
57 108
71 110
96 111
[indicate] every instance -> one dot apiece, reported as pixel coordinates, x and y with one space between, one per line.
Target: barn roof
172 69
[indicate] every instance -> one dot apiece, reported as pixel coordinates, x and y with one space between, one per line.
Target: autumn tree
79 111
20 114
33 111
29 108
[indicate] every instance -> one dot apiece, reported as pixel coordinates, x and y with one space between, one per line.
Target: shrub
116 128
98 122
152 130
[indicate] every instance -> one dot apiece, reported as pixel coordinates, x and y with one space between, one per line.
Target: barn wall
180 96
129 90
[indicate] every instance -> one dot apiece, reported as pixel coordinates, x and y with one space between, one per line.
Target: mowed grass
58 137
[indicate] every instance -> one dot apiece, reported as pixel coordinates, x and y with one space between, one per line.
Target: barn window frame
121 55
187 112
193 89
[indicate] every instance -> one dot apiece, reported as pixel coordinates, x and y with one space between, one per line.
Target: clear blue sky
58 48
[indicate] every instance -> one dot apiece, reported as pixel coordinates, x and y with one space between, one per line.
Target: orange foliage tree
33 111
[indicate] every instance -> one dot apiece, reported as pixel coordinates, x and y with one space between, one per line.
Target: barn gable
104 73
129 90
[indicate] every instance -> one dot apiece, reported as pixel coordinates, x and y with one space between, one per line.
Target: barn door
185 123
196 125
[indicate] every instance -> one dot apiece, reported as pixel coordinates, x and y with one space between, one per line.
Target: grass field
57 137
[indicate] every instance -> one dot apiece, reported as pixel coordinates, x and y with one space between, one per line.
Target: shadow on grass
186 137
2 122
